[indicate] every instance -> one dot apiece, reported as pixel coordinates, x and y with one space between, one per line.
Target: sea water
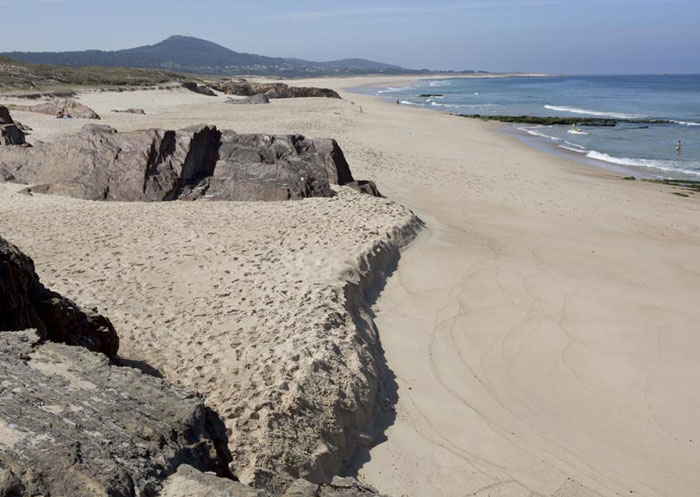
649 149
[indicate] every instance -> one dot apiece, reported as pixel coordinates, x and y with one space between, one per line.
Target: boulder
190 164
267 167
62 108
73 425
339 487
189 482
363 186
11 133
253 100
26 303
245 88
131 111
100 164
201 89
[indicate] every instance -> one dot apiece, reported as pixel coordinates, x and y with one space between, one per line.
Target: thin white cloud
396 10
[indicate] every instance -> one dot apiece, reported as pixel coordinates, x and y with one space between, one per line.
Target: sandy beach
541 329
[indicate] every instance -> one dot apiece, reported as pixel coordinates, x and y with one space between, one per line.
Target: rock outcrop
73 425
201 89
266 167
254 100
189 482
26 303
338 487
11 133
131 111
62 108
189 164
245 88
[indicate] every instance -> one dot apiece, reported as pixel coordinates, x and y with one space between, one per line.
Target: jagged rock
131 111
245 88
73 425
100 164
10 132
189 482
265 167
26 303
62 108
199 162
201 89
363 186
253 100
339 487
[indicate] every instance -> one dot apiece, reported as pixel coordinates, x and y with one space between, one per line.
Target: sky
552 36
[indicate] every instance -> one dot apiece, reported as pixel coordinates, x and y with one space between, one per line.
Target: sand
542 329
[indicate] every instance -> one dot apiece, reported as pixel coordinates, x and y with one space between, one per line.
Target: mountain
194 55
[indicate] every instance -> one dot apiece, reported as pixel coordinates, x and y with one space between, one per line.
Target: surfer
678 147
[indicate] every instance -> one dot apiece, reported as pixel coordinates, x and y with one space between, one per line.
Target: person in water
678 146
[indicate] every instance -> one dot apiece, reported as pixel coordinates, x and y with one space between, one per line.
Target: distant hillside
22 76
193 55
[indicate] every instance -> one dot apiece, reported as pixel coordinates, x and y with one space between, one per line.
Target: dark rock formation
364 186
201 89
254 100
11 133
131 111
101 164
26 303
265 167
245 88
60 108
73 425
189 164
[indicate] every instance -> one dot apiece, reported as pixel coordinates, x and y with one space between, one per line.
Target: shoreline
520 327
542 144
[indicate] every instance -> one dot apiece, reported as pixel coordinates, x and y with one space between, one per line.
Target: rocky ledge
188 482
72 424
245 88
61 108
10 132
195 163
26 303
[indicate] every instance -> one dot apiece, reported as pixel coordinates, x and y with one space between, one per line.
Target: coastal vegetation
21 76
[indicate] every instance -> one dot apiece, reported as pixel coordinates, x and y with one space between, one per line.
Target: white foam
434 84
392 89
531 131
572 149
663 165
575 110
575 145
686 123
451 106
406 102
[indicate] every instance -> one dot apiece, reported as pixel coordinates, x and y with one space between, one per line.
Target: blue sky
557 36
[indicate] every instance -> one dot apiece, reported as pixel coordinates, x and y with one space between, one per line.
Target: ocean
648 149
